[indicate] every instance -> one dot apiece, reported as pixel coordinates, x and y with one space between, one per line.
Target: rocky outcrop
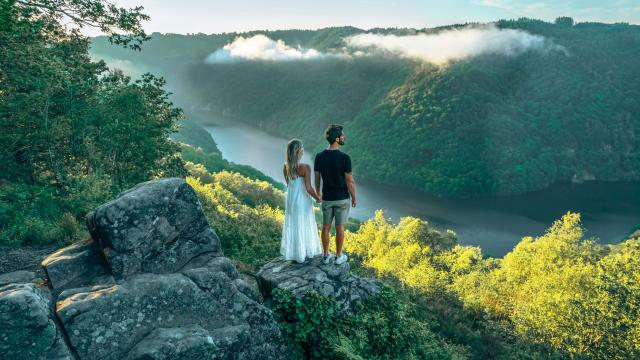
155 227
330 280
151 283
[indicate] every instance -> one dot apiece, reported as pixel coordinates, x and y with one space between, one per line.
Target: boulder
28 328
113 322
153 284
78 265
155 227
330 280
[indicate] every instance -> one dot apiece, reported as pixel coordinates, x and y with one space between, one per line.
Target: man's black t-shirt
332 166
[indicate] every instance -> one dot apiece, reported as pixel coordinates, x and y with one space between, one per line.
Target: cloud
260 47
438 48
448 45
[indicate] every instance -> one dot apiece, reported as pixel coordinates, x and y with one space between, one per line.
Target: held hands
318 198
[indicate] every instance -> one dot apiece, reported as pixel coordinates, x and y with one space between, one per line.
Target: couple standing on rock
333 168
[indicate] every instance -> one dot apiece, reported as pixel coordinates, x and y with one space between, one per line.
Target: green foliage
419 256
248 233
491 124
564 21
193 134
123 26
32 214
213 162
379 329
568 292
308 322
552 295
73 134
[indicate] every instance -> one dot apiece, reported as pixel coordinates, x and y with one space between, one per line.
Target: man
334 168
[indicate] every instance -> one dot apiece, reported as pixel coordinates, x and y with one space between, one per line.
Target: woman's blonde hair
292 156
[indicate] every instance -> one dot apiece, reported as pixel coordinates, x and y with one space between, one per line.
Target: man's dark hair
333 132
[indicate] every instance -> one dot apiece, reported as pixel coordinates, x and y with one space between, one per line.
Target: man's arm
317 183
351 184
348 177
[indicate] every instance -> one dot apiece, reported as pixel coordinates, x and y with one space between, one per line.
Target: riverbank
609 210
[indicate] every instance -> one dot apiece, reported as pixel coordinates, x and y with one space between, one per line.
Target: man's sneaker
327 259
341 259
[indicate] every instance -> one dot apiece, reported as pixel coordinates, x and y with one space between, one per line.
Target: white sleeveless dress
300 231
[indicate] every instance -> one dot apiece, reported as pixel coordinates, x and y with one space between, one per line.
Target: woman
300 231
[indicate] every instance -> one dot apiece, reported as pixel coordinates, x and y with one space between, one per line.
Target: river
496 224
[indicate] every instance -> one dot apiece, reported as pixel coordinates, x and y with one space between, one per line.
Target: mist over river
496 224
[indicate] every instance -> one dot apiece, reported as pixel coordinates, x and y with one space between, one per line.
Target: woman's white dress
300 231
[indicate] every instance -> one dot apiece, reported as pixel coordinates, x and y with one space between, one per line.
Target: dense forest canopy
481 125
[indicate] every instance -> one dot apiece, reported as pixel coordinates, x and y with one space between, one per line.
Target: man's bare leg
339 239
326 230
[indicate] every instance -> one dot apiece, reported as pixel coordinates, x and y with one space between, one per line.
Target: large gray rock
330 280
107 323
27 326
157 227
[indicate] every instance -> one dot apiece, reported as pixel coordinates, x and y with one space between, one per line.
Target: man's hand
353 202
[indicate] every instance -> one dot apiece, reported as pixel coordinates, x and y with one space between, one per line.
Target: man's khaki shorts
338 209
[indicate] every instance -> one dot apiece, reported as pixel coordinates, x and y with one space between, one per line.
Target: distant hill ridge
485 125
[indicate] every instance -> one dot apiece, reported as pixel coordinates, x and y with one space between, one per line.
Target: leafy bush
40 215
248 234
556 295
308 322
380 329
67 228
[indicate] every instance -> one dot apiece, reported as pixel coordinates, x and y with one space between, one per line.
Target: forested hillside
488 124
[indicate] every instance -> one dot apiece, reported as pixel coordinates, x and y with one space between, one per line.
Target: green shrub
41 215
308 322
36 231
247 234
380 329
67 228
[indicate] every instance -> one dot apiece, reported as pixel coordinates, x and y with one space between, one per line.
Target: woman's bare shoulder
303 169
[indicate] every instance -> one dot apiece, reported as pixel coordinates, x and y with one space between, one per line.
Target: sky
217 16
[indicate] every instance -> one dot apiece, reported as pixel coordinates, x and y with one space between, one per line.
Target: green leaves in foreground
379 329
